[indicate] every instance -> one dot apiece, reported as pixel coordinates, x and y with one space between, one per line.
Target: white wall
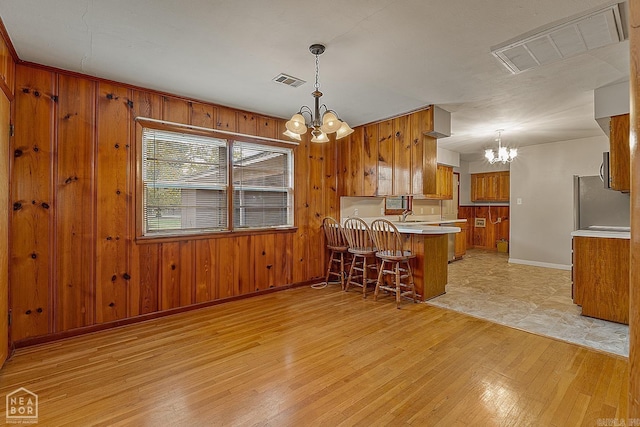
542 177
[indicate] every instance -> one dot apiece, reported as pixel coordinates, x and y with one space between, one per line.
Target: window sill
142 240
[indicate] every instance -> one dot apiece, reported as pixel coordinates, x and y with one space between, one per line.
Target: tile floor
533 299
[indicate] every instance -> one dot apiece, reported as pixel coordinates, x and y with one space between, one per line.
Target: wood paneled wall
486 237
74 258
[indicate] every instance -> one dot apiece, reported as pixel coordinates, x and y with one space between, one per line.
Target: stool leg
326 279
412 284
379 281
398 288
353 263
365 275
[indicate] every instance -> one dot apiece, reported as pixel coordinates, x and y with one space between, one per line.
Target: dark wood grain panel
227 285
416 129
175 110
75 204
385 158
5 118
226 119
113 194
370 160
143 294
176 275
148 266
354 174
267 127
264 264
31 194
202 115
401 156
145 104
316 199
243 271
331 203
303 210
283 274
206 270
247 123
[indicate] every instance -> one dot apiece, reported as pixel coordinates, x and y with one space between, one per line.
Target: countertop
425 229
603 234
416 226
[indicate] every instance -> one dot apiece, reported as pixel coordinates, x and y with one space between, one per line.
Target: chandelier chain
317 85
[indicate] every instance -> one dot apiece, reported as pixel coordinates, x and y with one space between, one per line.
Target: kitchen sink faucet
405 214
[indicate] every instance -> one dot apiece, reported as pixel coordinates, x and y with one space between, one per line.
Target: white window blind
184 183
263 186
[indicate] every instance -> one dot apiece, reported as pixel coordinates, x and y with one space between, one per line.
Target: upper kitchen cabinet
490 187
391 157
444 183
619 153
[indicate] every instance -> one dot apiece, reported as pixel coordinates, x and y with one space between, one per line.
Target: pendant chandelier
503 155
321 119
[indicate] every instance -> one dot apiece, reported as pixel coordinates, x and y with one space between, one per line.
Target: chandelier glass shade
322 120
503 154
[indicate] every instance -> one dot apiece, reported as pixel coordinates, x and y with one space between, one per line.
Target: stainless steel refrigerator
596 207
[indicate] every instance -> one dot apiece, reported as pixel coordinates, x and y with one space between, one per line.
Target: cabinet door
460 247
619 153
503 187
385 158
445 182
401 156
478 184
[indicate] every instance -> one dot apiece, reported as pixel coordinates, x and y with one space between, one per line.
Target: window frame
229 138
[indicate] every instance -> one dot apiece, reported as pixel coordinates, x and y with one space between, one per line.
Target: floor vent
288 80
563 39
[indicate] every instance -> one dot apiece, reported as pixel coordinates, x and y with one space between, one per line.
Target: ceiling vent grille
288 80
563 39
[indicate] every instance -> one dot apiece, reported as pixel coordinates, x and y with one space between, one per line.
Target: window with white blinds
262 186
186 189
184 183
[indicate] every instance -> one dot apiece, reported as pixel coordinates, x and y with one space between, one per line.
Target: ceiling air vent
563 39
288 80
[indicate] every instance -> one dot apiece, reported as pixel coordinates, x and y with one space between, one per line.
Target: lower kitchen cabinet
601 277
461 240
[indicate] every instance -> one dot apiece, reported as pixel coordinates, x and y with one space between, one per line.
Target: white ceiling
383 57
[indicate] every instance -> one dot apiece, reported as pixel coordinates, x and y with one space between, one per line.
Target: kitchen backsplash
370 207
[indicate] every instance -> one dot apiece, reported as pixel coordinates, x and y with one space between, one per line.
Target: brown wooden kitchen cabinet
619 153
490 187
391 157
601 277
460 248
444 180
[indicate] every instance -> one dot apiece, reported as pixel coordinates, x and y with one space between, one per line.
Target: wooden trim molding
5 36
27 342
634 263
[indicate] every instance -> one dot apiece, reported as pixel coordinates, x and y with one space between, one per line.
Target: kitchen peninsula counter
430 267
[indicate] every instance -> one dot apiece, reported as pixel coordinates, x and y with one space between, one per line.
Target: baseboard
539 264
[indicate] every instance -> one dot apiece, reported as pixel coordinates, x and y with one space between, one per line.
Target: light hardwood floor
318 357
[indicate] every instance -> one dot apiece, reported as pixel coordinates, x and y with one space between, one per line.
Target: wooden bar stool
395 261
363 249
339 248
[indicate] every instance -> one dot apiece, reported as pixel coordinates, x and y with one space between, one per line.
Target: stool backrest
333 232
358 233
386 236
